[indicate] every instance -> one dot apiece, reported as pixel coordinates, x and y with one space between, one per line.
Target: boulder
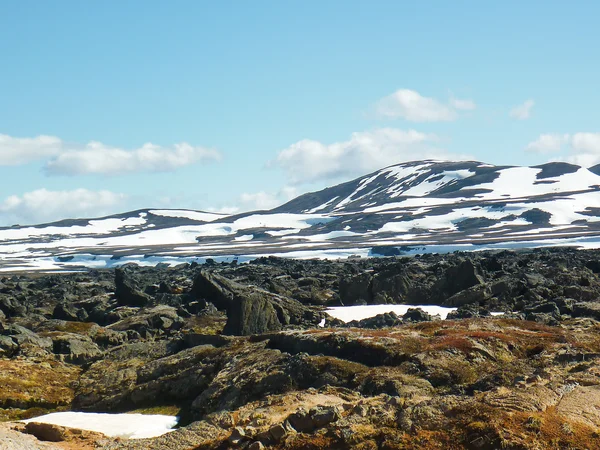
251 314
416 315
75 348
127 291
389 319
473 295
149 321
214 288
8 347
250 309
355 290
65 311
462 276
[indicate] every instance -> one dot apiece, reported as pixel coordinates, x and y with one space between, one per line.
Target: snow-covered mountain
411 207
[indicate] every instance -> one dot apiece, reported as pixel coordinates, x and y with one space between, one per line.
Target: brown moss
25 385
206 324
76 327
340 368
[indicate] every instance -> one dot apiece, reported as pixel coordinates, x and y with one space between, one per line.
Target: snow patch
131 426
349 313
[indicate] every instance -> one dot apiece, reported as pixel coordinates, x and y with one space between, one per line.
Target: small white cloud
463 105
522 112
251 201
586 142
15 151
307 160
42 205
548 143
258 200
412 106
229 210
267 200
584 147
98 158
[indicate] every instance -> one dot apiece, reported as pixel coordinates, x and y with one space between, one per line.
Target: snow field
130 426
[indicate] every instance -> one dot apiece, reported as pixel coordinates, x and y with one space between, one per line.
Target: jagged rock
11 307
355 290
586 309
75 348
24 337
215 289
127 291
416 315
253 313
277 432
389 319
8 347
149 321
467 311
251 310
474 295
65 311
237 436
11 438
57 433
306 421
462 276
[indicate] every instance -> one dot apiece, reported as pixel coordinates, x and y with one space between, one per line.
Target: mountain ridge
411 207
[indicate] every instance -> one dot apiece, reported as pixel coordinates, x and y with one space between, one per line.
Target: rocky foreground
239 354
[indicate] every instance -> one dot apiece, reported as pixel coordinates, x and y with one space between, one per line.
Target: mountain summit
446 180
412 207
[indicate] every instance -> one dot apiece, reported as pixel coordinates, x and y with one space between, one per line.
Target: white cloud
229 210
548 143
584 147
412 106
42 205
15 151
258 200
307 160
98 158
523 111
586 142
463 105
262 200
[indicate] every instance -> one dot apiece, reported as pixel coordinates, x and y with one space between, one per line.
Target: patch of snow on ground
245 237
428 186
325 236
519 182
131 426
323 206
99 226
349 313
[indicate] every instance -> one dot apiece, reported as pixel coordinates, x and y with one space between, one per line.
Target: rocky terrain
248 357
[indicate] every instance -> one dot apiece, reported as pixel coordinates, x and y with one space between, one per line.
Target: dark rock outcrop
252 310
127 290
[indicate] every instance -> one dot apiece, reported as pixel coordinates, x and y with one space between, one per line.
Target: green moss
167 410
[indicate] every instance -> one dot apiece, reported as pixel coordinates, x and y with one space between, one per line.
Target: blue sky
246 104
